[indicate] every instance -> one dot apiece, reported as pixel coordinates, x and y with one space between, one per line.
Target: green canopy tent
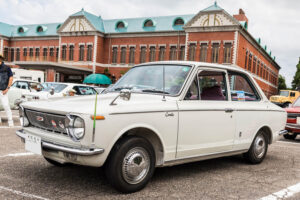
100 79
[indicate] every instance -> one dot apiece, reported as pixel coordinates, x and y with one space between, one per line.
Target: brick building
85 43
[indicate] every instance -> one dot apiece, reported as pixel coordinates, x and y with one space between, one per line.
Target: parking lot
27 176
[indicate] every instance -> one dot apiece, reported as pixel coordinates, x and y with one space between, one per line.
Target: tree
296 81
281 83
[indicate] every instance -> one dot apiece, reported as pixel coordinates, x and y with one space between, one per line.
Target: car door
250 111
206 118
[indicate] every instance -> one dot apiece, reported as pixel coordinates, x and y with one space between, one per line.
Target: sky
276 22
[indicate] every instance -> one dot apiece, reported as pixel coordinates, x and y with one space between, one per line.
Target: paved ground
27 176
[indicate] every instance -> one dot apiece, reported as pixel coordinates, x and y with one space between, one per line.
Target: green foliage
296 81
281 83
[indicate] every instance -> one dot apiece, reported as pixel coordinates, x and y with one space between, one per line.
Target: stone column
95 54
1 46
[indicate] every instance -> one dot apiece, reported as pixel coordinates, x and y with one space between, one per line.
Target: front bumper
61 148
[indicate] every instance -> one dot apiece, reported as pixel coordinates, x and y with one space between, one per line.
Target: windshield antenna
164 93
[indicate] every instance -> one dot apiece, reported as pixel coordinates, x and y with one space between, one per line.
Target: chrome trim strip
47 145
204 157
289 125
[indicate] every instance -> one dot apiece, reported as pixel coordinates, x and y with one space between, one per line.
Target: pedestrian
6 79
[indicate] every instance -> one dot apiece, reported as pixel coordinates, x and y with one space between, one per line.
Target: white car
19 88
57 90
158 114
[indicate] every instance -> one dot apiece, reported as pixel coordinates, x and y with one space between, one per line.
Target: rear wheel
286 105
258 149
131 164
290 137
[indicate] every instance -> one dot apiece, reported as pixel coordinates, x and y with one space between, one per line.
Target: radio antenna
164 93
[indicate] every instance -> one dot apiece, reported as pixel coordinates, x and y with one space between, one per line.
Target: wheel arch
268 132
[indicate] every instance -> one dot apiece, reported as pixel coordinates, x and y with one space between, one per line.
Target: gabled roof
96 21
212 8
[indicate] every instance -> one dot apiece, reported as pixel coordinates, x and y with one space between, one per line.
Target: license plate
33 144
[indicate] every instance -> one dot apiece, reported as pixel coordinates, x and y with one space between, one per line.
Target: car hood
86 104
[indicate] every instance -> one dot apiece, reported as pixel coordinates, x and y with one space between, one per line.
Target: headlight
23 119
75 127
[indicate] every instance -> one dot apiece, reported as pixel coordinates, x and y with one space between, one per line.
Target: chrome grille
47 121
293 115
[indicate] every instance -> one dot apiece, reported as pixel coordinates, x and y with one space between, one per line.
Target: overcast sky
276 22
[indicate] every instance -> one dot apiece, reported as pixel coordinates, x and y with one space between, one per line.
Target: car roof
70 84
25 80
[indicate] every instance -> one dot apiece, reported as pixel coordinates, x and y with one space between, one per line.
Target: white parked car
19 88
158 114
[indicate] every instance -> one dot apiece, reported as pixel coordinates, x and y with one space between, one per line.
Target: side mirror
125 94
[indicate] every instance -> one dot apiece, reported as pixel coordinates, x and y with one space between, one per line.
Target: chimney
241 16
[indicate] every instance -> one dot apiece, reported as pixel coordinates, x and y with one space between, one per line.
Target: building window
31 52
152 54
192 51
81 52
120 25
39 29
246 59
20 30
131 55
227 52
173 53
182 53
257 68
89 53
37 52
250 62
162 51
18 55
215 52
45 53
64 53
6 53
57 53
123 55
148 23
254 65
71 52
51 52
203 52
178 22
143 55
25 52
115 55
12 54
261 69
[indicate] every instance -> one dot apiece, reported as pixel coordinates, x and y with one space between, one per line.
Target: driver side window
208 86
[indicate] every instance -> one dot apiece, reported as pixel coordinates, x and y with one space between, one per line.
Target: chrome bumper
282 132
47 145
292 126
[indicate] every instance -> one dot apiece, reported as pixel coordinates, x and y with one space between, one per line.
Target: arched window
178 22
20 30
148 23
120 25
39 29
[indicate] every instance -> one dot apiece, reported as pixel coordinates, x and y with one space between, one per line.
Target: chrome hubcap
259 146
136 165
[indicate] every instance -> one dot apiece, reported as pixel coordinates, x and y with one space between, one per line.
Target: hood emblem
53 123
39 118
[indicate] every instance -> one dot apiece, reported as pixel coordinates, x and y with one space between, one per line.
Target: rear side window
241 88
292 94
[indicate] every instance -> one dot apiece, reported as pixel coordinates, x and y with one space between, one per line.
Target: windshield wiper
121 88
155 91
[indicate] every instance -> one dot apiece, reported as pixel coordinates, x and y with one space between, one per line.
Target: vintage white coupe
158 114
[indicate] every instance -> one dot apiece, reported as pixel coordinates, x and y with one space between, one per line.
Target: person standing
6 79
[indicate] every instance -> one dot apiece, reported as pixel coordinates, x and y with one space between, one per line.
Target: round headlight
23 119
75 127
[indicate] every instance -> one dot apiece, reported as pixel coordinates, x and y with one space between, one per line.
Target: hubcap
259 146
136 165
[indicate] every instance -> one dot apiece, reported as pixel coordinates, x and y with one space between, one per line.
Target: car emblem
61 125
39 118
53 123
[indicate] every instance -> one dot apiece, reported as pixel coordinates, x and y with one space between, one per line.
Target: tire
258 149
130 165
290 137
55 163
286 105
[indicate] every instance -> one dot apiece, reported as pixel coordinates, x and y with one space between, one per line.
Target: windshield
84 90
284 93
149 79
56 86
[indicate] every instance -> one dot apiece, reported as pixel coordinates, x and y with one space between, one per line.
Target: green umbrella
97 79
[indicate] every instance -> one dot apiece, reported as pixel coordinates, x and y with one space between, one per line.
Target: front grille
47 121
293 115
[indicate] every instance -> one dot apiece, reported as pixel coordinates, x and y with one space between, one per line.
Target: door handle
169 114
228 110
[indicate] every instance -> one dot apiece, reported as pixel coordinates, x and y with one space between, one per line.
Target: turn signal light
99 117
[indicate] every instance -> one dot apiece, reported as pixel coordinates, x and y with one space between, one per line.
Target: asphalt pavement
24 175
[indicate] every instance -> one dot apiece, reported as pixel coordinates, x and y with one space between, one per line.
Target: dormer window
148 23
120 25
178 22
58 26
20 30
39 29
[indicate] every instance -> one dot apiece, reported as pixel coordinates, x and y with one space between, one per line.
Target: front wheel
258 149
131 164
